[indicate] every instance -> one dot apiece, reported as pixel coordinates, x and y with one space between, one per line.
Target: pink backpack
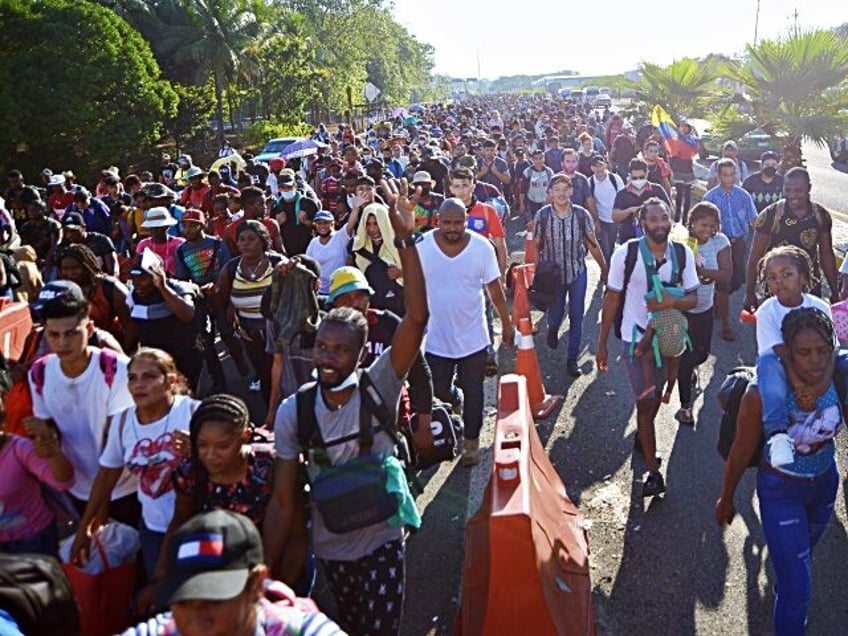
108 365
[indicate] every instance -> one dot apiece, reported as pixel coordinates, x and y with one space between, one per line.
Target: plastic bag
120 544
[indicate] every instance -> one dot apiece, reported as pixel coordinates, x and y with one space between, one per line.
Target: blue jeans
794 512
606 238
470 374
151 546
575 296
774 389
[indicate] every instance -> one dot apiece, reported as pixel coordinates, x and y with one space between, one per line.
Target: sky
603 37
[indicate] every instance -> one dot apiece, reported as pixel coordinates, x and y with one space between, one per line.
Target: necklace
252 273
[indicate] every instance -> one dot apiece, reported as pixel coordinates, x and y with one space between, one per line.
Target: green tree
795 88
685 87
206 38
78 84
196 109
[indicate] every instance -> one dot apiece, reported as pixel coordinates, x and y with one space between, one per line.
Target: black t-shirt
627 198
41 237
294 234
789 230
438 171
98 243
260 172
382 325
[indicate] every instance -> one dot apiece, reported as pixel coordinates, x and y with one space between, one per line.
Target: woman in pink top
157 221
27 525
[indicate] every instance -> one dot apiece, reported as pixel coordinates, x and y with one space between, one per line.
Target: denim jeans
470 374
773 388
575 297
794 513
151 546
606 238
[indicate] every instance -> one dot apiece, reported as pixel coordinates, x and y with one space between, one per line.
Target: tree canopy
78 83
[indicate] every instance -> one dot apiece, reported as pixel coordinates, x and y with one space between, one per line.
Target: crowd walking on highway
357 288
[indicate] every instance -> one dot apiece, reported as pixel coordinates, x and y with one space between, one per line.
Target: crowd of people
319 276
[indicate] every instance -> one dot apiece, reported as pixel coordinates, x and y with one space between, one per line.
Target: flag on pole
676 143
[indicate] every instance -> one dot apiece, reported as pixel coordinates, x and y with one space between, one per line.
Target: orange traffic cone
527 364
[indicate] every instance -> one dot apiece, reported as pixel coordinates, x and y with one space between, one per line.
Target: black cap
72 220
211 557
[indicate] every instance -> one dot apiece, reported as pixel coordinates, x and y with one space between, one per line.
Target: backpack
617 183
632 247
13 276
108 365
37 594
730 395
447 429
388 293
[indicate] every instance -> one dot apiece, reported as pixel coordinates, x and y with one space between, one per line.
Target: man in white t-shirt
329 247
655 218
80 388
604 186
457 265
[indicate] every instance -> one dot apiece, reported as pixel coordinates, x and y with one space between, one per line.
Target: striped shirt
246 295
562 241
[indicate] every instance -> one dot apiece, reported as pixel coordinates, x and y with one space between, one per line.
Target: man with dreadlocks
796 499
107 296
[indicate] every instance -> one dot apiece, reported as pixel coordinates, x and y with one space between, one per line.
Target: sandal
684 416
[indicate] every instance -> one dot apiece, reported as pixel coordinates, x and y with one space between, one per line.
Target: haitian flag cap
210 558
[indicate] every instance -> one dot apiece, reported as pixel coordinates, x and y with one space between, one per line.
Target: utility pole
756 23
795 15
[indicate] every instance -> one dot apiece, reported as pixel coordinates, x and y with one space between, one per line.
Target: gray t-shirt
335 424
708 259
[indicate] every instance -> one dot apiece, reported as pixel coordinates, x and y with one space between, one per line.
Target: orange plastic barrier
526 362
526 568
15 325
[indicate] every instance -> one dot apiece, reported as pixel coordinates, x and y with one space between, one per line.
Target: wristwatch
405 243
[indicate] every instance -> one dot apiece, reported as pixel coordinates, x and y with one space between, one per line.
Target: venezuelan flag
676 143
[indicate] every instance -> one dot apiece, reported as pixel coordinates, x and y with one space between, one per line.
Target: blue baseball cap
323 215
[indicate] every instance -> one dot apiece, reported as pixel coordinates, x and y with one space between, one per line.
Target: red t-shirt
192 198
483 219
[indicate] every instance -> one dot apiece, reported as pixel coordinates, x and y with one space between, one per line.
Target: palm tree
203 38
795 88
686 87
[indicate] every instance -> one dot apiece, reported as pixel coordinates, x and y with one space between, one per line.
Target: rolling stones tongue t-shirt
149 452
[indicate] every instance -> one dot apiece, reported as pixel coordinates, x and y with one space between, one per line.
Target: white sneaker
782 449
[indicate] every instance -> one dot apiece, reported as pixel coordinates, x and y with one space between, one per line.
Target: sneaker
553 339
653 485
684 416
572 369
470 452
255 386
781 449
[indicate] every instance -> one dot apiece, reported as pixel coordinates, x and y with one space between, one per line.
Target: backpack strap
545 219
308 432
109 365
37 372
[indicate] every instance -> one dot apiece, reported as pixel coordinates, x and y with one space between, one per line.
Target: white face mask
639 183
288 195
350 381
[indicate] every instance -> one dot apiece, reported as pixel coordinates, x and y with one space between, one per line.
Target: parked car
273 148
592 93
751 145
603 99
577 96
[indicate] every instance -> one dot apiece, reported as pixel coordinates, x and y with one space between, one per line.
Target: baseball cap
323 215
730 144
211 557
597 160
347 279
73 220
467 161
57 289
769 154
55 180
193 215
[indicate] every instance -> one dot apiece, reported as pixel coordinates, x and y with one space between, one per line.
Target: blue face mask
288 195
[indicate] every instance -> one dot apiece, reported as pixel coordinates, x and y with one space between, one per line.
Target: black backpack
388 293
447 428
38 596
13 276
632 247
730 398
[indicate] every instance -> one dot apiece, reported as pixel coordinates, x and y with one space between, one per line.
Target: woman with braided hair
224 470
796 499
107 295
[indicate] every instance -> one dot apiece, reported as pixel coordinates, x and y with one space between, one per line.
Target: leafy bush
257 134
